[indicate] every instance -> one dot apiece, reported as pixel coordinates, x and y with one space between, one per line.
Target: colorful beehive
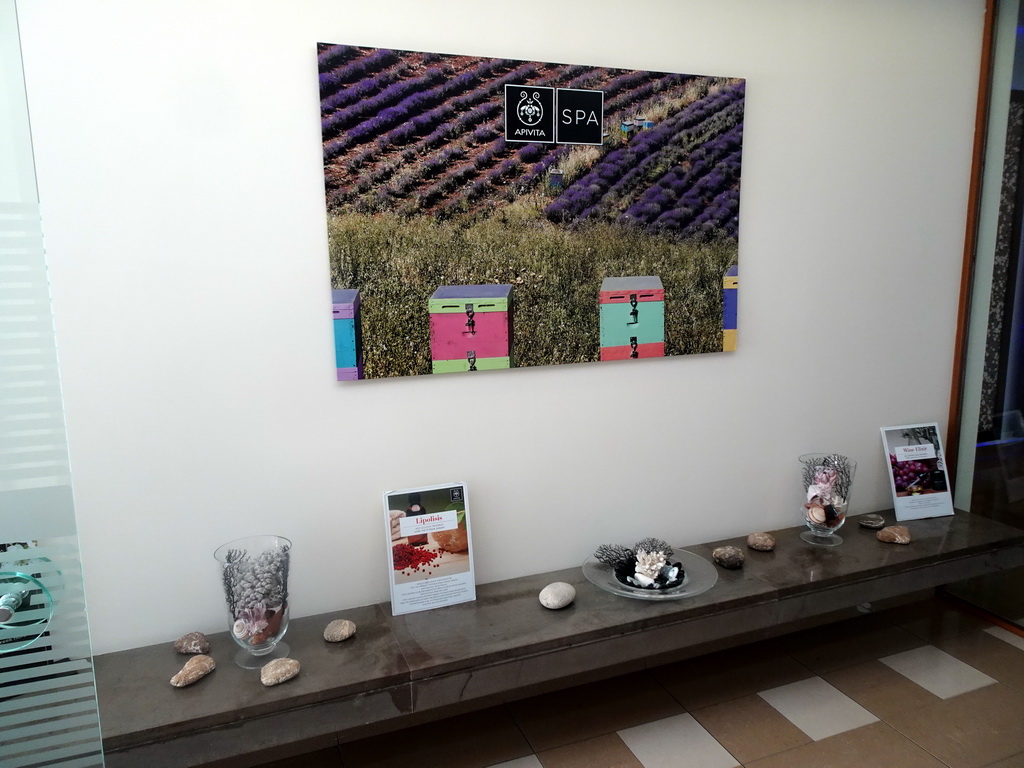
632 317
348 336
730 291
470 328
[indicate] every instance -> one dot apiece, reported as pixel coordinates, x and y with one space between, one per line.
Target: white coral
648 566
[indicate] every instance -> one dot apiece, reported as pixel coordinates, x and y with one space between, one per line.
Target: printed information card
917 474
429 547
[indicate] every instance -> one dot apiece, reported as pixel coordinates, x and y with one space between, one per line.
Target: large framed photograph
487 213
917 474
430 554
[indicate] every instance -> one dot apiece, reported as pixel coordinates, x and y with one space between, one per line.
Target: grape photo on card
917 471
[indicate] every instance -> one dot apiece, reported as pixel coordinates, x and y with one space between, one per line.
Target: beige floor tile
879 689
938 672
990 655
674 740
750 728
846 643
728 675
473 740
817 708
608 751
559 718
970 730
872 745
1015 638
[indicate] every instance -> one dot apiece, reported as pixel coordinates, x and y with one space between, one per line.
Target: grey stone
279 671
728 557
195 669
193 642
761 541
894 534
871 521
557 595
338 630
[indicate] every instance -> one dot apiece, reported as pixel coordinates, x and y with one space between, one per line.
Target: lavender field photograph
428 195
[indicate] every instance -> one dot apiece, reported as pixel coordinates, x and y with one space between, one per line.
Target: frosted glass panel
48 709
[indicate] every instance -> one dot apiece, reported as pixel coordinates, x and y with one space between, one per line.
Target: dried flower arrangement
256 593
645 566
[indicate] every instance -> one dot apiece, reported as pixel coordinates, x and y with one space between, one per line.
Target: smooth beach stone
193 642
338 630
871 521
557 595
761 541
195 668
894 534
728 557
279 671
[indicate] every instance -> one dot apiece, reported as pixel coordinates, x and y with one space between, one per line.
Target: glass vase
827 478
254 572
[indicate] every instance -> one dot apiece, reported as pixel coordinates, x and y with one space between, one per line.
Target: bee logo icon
530 110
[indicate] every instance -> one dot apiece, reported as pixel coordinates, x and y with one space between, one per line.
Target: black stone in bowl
625 574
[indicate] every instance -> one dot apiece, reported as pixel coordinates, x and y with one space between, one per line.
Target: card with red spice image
430 554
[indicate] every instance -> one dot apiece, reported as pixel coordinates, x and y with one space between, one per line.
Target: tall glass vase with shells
827 478
254 572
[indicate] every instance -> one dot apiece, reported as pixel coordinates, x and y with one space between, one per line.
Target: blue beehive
348 337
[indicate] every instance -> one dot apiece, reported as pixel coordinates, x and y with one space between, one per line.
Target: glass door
48 710
990 470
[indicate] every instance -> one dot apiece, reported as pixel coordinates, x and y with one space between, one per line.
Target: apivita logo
546 115
530 113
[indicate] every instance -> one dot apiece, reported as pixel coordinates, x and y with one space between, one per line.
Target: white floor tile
1009 637
530 761
817 708
936 671
675 741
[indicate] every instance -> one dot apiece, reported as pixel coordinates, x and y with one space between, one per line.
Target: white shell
557 595
816 514
238 629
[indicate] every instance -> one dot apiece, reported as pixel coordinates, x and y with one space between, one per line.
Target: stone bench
398 671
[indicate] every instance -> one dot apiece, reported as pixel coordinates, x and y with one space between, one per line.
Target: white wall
179 167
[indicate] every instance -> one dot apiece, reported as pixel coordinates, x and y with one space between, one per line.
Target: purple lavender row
586 191
331 56
462 82
675 184
699 199
374 84
406 109
721 215
643 91
381 58
361 89
346 118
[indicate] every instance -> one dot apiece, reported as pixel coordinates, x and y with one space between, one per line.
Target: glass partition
48 709
990 471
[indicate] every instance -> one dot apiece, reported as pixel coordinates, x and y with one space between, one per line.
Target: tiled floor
922 686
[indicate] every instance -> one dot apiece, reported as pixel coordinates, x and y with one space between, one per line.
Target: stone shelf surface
505 645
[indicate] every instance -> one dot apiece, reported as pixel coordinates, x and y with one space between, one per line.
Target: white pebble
557 595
